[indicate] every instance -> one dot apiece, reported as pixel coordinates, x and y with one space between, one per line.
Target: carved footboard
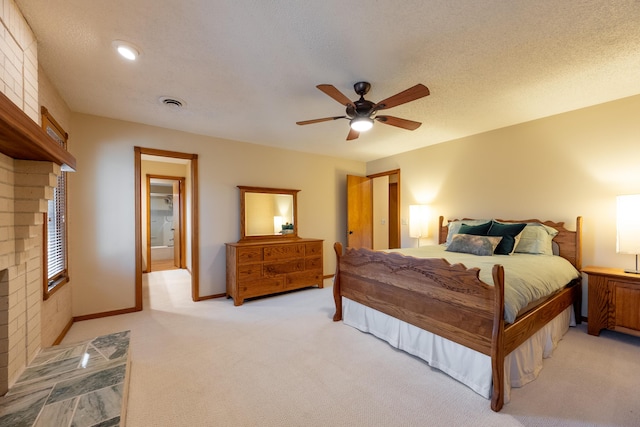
447 300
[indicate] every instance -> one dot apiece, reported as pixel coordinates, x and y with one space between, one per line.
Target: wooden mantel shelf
22 138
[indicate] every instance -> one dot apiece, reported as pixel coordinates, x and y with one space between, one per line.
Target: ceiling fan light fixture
361 124
126 50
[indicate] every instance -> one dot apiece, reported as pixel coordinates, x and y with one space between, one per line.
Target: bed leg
497 340
337 297
497 398
577 302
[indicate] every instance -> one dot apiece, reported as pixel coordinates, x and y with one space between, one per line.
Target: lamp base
632 271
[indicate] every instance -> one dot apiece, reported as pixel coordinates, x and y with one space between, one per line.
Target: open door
360 209
359 212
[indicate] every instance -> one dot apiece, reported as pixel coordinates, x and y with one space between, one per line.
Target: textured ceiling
247 69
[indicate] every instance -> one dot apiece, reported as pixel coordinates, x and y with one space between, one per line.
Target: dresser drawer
283 267
246 255
314 248
276 252
249 272
303 279
256 288
313 263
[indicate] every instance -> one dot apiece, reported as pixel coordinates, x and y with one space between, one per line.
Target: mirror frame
265 190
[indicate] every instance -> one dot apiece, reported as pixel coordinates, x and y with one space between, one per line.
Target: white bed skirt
464 364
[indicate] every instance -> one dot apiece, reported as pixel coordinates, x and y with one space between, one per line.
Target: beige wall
381 212
554 168
56 311
101 202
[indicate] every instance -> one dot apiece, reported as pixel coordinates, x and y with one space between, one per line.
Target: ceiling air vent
172 102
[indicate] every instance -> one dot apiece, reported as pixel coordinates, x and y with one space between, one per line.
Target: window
55 221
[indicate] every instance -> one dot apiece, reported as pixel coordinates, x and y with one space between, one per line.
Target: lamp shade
628 224
277 224
418 221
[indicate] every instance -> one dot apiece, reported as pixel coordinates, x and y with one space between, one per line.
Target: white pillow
536 239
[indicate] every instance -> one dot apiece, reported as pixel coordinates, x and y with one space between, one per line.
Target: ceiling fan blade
398 122
326 119
335 94
416 92
353 134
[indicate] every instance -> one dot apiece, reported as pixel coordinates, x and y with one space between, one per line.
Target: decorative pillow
510 234
478 230
472 244
536 239
454 227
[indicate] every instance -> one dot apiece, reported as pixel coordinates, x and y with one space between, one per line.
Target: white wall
381 212
554 168
101 202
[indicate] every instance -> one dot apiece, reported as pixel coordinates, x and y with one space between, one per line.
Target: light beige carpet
281 361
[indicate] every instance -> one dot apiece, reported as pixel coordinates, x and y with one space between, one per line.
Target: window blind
56 231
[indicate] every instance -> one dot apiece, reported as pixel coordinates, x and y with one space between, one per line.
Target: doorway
165 223
189 242
373 210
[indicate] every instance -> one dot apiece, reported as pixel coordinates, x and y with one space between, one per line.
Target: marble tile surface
81 384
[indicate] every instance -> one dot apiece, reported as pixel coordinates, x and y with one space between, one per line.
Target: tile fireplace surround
81 384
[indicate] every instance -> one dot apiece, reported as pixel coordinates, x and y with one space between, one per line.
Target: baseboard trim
211 297
64 332
105 314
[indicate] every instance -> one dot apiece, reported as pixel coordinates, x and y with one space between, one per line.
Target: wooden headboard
569 242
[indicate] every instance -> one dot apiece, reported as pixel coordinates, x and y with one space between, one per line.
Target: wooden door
359 212
394 221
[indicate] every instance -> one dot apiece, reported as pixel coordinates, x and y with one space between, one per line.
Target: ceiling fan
361 113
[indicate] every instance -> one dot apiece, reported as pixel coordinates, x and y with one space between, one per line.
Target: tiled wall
25 187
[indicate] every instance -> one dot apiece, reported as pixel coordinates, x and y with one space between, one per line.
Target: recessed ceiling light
126 50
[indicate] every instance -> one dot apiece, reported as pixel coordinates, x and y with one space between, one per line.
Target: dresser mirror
268 213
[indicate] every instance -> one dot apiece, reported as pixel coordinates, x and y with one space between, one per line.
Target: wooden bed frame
451 300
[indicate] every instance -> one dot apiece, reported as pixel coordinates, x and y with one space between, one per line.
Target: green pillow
476 230
510 234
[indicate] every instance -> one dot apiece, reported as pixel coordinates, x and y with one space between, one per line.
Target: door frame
399 204
193 204
181 218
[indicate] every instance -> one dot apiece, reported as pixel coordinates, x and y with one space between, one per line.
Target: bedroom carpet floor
282 361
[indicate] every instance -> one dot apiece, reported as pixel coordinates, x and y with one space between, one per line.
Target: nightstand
614 300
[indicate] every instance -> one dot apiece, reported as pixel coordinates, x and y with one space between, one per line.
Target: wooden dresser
264 267
614 300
